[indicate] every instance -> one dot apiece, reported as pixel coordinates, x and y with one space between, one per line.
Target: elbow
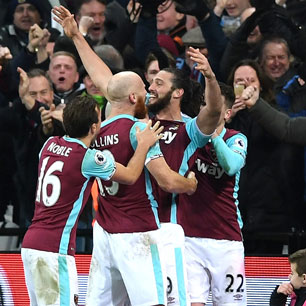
131 181
168 186
230 172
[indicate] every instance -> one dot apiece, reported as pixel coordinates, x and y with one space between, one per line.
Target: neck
116 110
86 140
170 113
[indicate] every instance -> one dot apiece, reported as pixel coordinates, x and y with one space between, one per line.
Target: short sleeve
154 152
98 164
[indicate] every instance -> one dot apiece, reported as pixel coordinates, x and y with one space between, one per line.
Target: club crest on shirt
99 158
239 143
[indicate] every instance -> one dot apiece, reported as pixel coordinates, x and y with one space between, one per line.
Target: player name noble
107 140
60 150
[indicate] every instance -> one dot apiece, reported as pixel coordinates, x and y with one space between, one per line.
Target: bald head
122 84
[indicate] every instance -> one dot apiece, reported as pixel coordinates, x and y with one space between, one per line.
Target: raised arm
209 115
23 89
96 68
146 138
291 130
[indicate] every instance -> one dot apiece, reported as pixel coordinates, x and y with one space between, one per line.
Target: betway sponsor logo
214 170
168 137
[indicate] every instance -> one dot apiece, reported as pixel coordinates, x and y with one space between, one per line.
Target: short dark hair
228 93
36 72
79 114
193 96
299 258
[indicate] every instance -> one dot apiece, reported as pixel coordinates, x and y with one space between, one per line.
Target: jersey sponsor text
213 170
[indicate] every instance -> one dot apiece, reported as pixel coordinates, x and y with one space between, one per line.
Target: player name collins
106 140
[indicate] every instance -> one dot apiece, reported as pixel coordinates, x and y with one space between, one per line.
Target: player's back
62 192
125 208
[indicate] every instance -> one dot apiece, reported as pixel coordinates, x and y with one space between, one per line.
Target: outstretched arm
146 138
96 68
209 115
280 125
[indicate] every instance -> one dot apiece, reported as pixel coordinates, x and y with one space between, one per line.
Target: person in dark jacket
296 289
271 183
280 125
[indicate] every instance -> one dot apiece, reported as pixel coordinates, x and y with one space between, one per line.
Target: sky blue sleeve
195 134
98 164
232 153
154 151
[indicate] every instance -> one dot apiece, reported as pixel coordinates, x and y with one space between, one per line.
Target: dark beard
140 109
160 104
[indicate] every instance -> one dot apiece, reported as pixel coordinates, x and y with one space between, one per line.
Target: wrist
76 36
210 77
83 31
32 49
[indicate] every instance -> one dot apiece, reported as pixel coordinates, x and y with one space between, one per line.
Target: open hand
202 62
66 20
149 135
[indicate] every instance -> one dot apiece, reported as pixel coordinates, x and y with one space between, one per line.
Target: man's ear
132 98
228 114
93 128
178 93
304 278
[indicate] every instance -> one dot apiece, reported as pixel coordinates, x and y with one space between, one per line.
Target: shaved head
122 84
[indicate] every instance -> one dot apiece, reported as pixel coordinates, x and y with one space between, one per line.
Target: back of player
61 158
64 182
126 234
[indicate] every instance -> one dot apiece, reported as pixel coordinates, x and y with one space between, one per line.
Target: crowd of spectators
246 41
